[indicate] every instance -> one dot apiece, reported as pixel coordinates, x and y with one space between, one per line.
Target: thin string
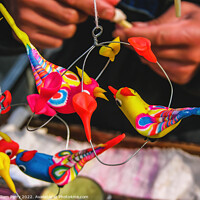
170 83
96 14
117 164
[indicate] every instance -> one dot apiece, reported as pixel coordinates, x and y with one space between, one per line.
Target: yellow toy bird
151 121
4 171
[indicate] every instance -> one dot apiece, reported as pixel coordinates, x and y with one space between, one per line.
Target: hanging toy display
61 91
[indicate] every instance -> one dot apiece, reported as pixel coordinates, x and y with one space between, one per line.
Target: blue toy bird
61 168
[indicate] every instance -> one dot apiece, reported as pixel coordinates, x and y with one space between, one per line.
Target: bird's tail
88 154
73 161
186 112
41 67
20 34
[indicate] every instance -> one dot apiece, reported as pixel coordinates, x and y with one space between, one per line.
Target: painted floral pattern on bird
151 121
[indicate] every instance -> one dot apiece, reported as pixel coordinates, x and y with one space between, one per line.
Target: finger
165 34
45 41
46 25
178 53
105 9
169 16
53 9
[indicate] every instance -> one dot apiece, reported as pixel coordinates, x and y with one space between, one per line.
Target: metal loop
96 32
99 31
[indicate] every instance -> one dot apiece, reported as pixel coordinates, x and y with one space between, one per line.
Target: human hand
175 41
106 9
48 22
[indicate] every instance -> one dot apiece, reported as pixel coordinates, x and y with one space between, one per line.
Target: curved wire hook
35 129
118 164
68 130
170 83
56 194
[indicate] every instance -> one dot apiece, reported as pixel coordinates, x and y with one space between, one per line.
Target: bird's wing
160 118
65 168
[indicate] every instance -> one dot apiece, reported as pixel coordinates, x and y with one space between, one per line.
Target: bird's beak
86 79
99 92
113 90
5 137
4 171
19 151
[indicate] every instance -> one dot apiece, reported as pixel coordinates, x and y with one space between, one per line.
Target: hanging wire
106 65
101 72
19 104
68 130
35 129
170 83
56 194
118 164
83 67
18 195
96 14
76 61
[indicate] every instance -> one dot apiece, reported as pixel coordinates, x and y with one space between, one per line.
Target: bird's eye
118 102
8 152
22 168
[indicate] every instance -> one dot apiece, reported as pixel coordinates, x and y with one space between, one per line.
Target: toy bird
150 121
5 101
61 101
4 171
54 99
61 168
8 146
